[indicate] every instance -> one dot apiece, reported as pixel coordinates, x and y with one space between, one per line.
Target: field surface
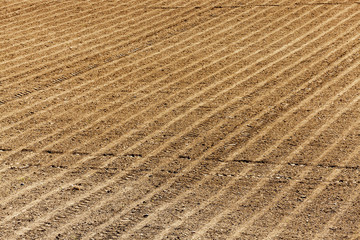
181 119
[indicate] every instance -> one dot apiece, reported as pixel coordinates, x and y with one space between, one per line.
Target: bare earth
181 119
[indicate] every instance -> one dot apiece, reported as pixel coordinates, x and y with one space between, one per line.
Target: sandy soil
179 119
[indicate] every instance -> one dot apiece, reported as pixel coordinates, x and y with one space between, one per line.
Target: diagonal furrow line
68 32
342 209
188 101
14 10
100 44
163 207
19 49
128 75
15 5
29 13
137 225
19 110
105 63
42 19
52 13
274 146
201 206
302 175
33 19
332 175
100 112
140 99
35 33
87 69
259 185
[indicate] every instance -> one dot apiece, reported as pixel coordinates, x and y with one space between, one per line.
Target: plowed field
161 119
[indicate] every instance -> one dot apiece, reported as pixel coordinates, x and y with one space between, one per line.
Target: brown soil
179 119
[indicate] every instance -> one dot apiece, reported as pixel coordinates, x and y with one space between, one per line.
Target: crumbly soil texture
158 119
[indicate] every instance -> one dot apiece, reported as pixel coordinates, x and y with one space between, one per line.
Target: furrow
214 221
90 42
320 187
30 16
160 89
149 219
181 121
168 49
78 23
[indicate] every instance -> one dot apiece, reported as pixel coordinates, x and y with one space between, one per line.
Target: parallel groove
70 57
63 23
178 222
304 172
30 95
27 16
26 10
275 169
7 115
190 121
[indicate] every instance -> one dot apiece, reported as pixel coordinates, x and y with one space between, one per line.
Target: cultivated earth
159 119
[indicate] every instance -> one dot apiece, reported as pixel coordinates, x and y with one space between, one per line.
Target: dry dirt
181 119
